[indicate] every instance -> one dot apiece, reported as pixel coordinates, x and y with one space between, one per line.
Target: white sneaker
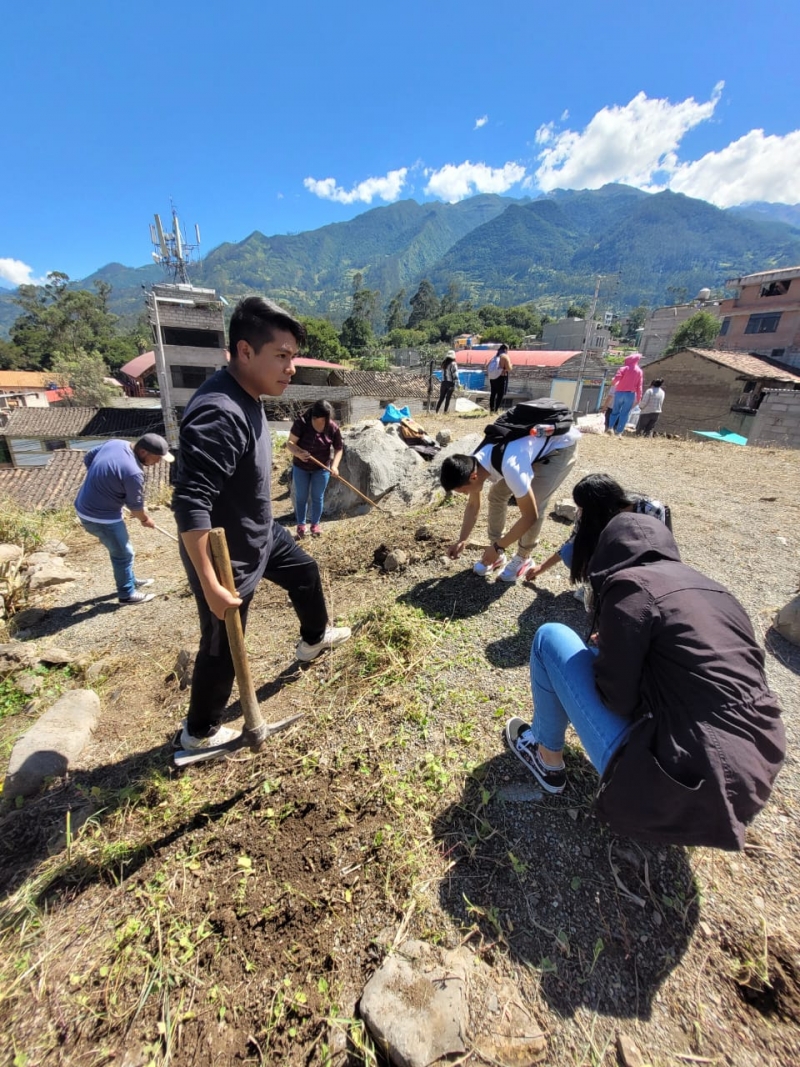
142 583
223 735
333 636
517 567
483 569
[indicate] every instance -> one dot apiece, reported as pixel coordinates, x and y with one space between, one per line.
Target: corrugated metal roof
83 422
140 365
522 358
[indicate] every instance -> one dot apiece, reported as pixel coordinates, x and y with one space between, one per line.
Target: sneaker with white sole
332 638
521 743
223 735
142 583
489 568
517 567
137 598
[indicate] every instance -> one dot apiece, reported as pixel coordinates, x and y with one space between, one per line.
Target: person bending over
531 484
224 479
672 706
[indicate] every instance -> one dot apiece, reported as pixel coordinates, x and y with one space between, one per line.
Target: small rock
444 437
55 657
10 554
29 684
566 509
52 573
99 669
423 533
14 656
53 743
395 560
629 1054
787 621
40 558
55 548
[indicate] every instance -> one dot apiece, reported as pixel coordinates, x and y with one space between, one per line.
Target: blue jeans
562 680
623 403
114 537
309 484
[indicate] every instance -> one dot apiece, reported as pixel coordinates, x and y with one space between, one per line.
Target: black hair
456 471
656 383
256 321
501 350
600 498
320 409
447 361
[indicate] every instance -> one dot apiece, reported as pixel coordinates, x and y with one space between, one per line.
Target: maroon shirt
319 445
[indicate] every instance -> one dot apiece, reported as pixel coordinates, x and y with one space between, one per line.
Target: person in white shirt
531 471
650 408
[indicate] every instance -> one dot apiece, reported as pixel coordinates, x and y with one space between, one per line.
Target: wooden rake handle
344 481
255 726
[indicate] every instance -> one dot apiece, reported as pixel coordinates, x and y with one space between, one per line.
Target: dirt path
233 913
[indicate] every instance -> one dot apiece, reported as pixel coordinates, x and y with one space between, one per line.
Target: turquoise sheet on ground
723 435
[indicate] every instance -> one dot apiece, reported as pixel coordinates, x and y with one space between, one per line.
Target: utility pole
585 352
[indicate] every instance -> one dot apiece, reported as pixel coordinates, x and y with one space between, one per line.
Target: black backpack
521 420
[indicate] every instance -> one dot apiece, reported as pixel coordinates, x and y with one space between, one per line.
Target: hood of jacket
632 361
630 540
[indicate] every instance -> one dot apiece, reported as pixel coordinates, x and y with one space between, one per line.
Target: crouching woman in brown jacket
672 706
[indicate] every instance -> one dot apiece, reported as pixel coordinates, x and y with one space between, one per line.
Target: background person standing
628 385
650 407
115 479
497 371
313 434
449 382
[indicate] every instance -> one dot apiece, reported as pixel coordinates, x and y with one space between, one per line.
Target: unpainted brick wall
778 420
699 394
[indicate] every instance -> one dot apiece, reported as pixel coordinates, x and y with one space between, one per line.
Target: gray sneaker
519 740
333 636
142 583
137 598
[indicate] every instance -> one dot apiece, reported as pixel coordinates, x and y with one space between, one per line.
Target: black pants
293 570
646 424
497 390
446 390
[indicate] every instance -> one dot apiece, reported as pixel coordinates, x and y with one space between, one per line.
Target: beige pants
547 477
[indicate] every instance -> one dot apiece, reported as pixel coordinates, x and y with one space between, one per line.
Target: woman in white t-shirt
497 372
650 408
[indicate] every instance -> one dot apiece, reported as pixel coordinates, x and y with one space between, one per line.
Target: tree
449 304
505 335
407 338
699 331
84 372
395 317
11 357
424 305
322 340
356 334
577 311
636 319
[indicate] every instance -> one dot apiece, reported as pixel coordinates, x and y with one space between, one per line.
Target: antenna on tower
171 249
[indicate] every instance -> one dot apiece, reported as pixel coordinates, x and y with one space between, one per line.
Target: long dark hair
600 498
320 409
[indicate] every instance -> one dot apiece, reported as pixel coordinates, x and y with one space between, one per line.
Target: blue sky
280 118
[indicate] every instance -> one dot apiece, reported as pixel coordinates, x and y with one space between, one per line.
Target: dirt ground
232 912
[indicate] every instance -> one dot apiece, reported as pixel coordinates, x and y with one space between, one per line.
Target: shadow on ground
784 651
456 596
58 619
603 919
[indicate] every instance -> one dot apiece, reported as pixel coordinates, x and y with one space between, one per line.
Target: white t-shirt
493 368
652 402
517 468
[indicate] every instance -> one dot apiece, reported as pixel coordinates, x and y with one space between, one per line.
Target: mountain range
651 249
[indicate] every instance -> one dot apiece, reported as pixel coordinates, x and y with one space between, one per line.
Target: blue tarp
722 435
395 414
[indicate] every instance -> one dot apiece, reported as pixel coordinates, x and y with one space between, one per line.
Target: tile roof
382 384
56 485
24 379
140 365
306 394
745 363
83 422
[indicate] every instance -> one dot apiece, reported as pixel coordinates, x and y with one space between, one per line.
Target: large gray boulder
53 743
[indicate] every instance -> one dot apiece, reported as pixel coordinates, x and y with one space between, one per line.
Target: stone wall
777 421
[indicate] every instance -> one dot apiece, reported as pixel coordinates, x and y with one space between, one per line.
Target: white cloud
387 188
480 122
753 168
18 273
629 144
456 182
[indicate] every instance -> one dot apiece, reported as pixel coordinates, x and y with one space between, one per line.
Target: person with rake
224 480
312 439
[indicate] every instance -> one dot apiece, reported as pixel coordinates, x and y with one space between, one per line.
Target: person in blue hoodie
115 479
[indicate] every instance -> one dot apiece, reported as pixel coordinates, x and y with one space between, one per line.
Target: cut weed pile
233 912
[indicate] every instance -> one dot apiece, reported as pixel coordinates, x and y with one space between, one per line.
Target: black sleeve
213 440
624 631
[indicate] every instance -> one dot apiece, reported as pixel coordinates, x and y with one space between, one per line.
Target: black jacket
677 654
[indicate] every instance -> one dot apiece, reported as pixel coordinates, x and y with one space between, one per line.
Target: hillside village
235 911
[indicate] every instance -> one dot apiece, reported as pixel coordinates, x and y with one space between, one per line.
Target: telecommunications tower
171 249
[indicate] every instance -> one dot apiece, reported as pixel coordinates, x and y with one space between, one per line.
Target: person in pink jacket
628 385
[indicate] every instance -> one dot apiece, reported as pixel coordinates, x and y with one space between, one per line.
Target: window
190 377
54 446
775 288
763 323
175 335
725 325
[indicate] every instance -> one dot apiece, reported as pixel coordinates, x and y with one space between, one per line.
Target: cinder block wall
778 420
699 394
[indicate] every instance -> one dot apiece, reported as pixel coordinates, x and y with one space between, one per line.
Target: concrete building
569 334
764 315
189 333
29 389
661 324
777 421
711 390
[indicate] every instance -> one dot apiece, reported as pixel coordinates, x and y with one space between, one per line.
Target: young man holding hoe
223 479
